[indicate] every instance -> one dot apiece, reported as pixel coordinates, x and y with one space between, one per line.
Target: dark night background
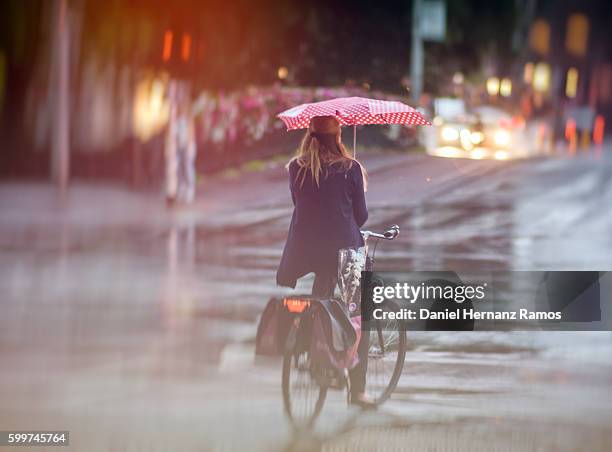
240 43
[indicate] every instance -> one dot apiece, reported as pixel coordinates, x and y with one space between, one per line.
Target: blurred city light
541 77
598 130
571 83
282 72
167 49
186 47
493 86
539 36
447 151
505 87
502 138
478 154
449 133
570 129
477 137
151 108
528 73
458 78
501 155
466 139
577 34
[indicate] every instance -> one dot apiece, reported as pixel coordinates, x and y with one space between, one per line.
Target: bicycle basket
351 262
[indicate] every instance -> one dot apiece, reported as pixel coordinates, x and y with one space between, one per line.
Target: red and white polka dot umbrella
353 111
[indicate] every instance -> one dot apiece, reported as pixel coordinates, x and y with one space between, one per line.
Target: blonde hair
321 146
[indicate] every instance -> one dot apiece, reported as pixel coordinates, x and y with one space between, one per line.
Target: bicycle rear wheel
303 397
386 356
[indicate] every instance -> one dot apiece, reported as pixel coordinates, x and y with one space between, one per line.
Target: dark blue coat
325 219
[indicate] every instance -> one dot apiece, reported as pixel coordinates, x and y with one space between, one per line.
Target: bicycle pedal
331 378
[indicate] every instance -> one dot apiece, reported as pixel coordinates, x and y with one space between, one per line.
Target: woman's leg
324 285
181 174
171 162
190 176
358 373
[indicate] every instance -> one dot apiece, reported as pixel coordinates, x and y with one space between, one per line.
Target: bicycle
304 391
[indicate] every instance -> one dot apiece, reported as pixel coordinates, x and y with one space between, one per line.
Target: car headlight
466 141
501 155
477 154
477 137
465 134
502 138
449 133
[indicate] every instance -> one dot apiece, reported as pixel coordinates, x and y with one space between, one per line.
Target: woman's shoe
362 401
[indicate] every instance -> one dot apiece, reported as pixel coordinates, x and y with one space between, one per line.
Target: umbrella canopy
353 111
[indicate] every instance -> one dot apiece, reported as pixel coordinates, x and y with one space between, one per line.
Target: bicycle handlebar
389 234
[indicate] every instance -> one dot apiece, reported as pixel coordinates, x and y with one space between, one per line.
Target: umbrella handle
354 141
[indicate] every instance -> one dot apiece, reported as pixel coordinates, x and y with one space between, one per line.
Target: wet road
133 327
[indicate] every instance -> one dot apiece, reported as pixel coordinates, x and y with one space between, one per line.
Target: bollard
585 140
598 134
598 130
570 135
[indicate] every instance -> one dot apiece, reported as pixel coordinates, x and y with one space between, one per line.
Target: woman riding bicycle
327 188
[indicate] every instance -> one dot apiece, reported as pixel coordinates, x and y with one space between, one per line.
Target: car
483 132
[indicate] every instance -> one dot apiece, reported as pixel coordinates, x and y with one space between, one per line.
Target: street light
492 86
541 77
151 109
282 72
505 87
571 82
457 78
